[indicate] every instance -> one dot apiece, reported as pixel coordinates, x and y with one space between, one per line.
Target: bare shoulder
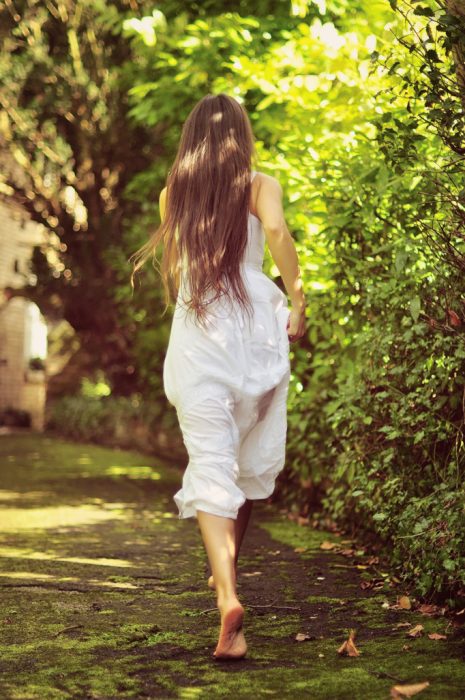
269 202
268 183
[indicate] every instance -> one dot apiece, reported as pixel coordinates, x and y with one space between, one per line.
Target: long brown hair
207 206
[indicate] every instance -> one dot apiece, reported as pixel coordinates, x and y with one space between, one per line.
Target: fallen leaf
408 691
328 545
302 637
406 647
347 552
430 609
373 560
403 624
404 602
416 631
348 647
436 635
365 585
300 549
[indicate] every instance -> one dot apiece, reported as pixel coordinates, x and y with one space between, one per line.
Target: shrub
126 422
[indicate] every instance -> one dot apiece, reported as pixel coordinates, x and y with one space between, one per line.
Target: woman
227 368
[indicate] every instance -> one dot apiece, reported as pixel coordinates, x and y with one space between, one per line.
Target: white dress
229 384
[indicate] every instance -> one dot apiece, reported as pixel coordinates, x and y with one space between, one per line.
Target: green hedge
126 422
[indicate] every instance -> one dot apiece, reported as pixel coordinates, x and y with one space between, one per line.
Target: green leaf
415 308
379 516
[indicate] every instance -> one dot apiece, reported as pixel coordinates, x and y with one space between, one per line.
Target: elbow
274 229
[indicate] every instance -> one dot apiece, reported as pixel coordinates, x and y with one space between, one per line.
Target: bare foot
231 642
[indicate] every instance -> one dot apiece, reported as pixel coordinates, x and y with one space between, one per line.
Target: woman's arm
269 207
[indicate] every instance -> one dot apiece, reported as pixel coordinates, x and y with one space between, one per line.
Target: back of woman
227 368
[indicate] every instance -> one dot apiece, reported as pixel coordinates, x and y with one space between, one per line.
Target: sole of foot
231 643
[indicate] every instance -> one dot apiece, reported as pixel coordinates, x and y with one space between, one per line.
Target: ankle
224 602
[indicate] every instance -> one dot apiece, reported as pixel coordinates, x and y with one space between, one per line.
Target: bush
397 452
376 414
126 422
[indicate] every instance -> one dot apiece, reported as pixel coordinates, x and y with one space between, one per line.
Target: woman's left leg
240 526
219 538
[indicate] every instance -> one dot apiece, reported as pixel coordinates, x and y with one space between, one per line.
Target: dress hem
192 513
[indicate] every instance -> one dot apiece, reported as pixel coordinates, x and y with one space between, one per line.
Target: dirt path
104 595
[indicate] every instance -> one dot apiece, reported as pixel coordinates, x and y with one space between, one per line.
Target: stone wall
22 328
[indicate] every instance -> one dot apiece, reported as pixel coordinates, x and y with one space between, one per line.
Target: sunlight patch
133 472
34 576
12 519
20 553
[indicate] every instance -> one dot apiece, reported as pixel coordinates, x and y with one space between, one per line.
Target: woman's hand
296 323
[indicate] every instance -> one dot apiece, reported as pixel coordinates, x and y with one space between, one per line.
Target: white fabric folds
229 385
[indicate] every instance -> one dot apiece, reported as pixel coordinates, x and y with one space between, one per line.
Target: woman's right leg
211 437
219 539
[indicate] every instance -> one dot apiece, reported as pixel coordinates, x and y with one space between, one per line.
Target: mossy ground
104 595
